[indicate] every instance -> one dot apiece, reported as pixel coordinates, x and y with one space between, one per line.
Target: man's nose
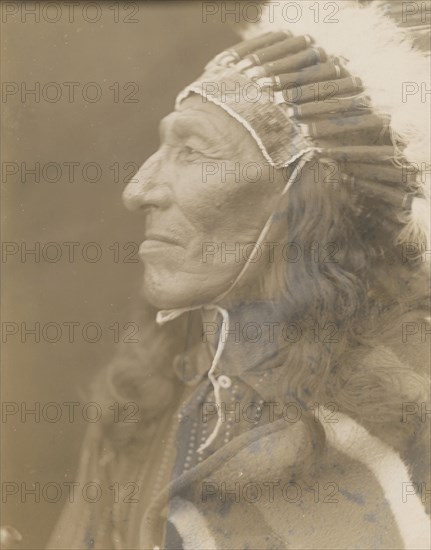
148 186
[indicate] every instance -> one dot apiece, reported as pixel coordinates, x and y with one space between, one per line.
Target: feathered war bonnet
348 88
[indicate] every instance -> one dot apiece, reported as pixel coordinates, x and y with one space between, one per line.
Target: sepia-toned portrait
216 265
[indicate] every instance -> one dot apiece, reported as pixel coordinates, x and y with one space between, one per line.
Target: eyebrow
189 127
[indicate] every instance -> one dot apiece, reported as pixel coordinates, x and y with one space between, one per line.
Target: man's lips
152 236
156 241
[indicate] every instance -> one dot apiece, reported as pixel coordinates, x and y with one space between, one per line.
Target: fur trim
354 440
418 225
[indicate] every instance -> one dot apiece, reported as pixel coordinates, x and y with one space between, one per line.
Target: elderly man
276 403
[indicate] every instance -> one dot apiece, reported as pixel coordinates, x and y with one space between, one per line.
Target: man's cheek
215 205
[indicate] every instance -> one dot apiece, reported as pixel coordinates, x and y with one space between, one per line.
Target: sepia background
159 47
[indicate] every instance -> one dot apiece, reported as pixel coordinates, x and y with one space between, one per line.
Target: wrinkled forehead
198 107
197 117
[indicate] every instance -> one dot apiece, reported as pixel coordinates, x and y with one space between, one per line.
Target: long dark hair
365 286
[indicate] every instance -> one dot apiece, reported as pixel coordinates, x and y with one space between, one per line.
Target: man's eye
190 152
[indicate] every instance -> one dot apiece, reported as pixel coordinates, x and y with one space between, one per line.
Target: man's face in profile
205 195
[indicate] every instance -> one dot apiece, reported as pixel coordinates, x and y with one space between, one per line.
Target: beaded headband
294 97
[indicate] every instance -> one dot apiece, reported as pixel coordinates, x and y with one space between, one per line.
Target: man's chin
170 294
165 295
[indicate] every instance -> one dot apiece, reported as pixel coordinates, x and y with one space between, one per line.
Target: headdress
354 89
